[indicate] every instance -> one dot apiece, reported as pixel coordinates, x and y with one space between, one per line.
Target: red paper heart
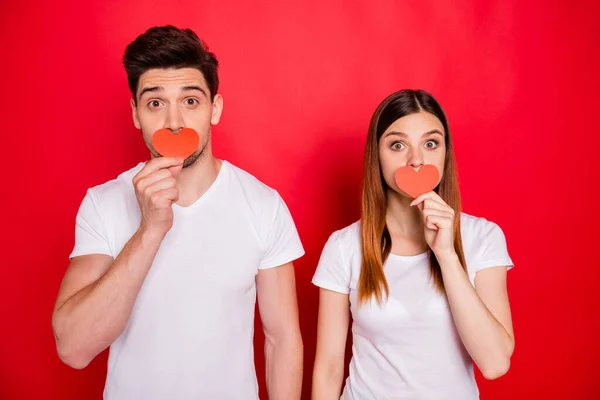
415 183
182 144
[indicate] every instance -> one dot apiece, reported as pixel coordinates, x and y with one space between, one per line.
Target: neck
401 218
196 179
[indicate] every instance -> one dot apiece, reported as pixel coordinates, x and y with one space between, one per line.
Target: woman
425 283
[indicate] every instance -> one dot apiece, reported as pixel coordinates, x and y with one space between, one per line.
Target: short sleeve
90 235
493 251
283 242
332 272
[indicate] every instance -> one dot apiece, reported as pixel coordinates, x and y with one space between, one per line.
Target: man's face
175 99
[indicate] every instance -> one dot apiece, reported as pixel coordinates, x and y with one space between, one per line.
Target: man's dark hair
169 47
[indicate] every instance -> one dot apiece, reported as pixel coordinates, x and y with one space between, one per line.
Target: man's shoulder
116 188
249 183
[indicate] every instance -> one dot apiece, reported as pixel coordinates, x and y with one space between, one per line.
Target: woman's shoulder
339 260
477 227
345 243
348 236
483 242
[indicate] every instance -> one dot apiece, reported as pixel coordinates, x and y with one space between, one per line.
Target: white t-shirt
409 348
190 334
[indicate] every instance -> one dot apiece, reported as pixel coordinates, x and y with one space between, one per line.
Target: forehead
416 124
171 78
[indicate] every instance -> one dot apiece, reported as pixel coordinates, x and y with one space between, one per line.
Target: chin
399 193
188 162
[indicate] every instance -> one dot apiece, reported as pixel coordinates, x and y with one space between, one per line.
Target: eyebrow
192 88
402 134
154 89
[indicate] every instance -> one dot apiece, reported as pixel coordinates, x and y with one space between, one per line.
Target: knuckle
155 198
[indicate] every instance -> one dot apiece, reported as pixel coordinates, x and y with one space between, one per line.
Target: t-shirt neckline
202 199
416 257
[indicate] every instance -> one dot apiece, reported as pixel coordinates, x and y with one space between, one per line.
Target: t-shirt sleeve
283 242
332 272
493 251
90 234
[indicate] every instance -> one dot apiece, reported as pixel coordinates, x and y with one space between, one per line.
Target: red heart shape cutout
415 183
182 144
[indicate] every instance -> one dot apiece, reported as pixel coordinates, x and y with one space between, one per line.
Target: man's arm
278 306
96 298
97 295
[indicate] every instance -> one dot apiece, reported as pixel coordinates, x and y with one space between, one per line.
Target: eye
153 103
397 146
431 144
191 102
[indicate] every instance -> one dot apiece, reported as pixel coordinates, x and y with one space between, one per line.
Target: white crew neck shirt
409 348
190 333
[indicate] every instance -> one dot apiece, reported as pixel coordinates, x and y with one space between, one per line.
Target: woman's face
414 140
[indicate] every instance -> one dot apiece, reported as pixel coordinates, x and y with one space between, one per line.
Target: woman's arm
481 315
332 332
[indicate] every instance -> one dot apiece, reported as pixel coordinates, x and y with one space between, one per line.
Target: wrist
447 256
149 235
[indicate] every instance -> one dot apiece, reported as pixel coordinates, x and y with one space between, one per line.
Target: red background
518 80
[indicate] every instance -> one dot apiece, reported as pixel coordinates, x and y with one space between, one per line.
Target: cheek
147 117
149 128
389 162
199 118
149 124
438 159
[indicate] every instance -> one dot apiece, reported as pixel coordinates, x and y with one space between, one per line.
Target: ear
217 109
136 120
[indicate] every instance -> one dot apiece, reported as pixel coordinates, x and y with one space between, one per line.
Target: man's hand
156 191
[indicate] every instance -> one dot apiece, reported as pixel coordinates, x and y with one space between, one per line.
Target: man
169 257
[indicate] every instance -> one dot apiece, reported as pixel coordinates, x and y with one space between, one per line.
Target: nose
415 158
174 119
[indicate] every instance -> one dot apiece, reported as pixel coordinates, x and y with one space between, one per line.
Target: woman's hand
438 218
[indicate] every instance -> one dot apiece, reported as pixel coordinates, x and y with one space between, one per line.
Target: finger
163 184
148 180
436 205
165 197
436 222
438 213
158 163
171 194
421 198
429 203
430 225
176 170
429 195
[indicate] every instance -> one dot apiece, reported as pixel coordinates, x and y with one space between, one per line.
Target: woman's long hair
376 241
